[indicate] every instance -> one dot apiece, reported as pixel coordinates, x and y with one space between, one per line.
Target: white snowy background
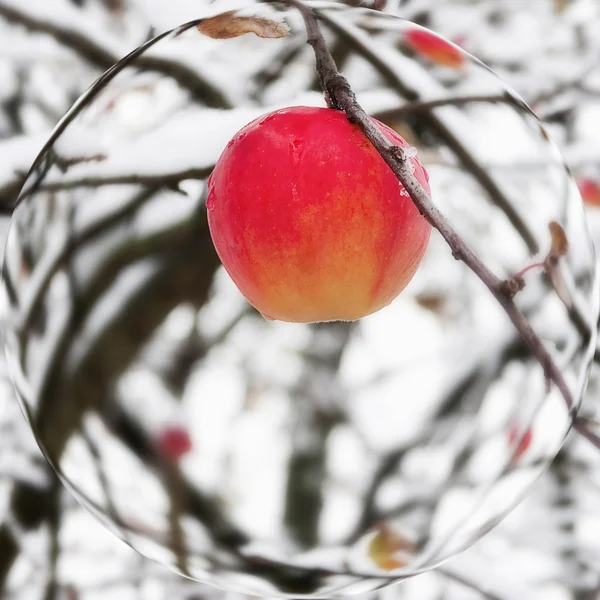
51 51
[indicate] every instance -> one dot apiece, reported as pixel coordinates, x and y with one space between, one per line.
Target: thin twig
81 237
470 584
473 383
565 86
428 105
304 496
9 550
54 523
168 180
9 192
341 96
364 45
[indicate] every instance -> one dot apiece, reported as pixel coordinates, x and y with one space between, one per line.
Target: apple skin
308 219
435 48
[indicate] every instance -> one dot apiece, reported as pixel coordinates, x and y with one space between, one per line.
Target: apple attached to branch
308 219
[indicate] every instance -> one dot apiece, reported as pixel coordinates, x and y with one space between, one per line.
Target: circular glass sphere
286 459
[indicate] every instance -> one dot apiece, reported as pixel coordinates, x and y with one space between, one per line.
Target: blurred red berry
435 48
513 435
590 191
174 442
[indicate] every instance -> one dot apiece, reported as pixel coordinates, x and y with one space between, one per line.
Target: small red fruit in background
523 443
590 191
173 442
434 48
308 219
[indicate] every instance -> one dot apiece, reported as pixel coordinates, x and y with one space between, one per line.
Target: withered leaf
560 6
559 247
431 301
229 25
560 286
385 545
560 243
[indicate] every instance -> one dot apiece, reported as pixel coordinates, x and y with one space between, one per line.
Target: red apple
309 221
434 48
590 191
173 442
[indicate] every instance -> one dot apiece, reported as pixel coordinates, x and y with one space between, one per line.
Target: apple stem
339 95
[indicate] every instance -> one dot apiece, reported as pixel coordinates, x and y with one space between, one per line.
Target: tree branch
9 193
437 125
103 58
341 96
307 465
468 583
428 105
53 519
9 549
472 384
168 180
31 505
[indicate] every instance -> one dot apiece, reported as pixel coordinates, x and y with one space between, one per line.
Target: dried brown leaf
559 247
229 25
560 286
560 243
431 301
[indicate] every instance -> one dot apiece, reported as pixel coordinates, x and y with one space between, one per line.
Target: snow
17 155
109 306
242 400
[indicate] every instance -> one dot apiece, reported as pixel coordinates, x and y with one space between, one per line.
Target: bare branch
53 520
9 193
31 505
566 85
468 583
103 58
9 549
437 126
426 106
167 180
341 96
